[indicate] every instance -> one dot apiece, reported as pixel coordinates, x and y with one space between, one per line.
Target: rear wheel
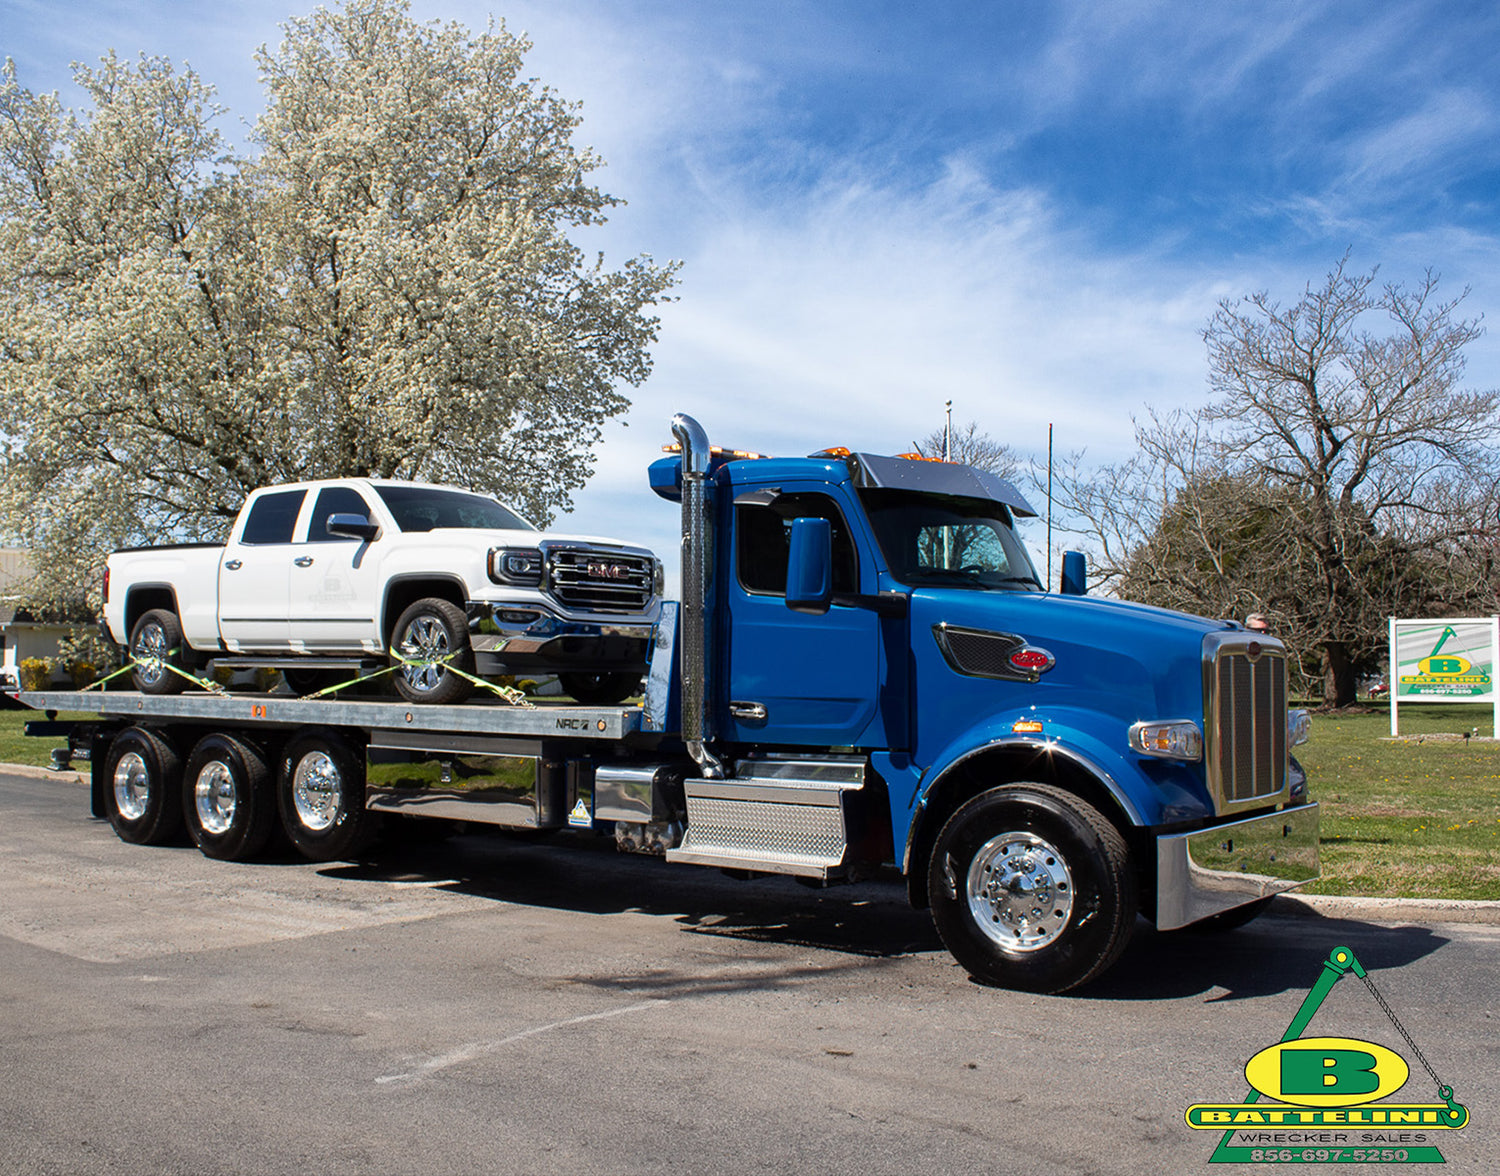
157 648
1031 888
431 636
143 788
227 799
302 681
321 794
600 689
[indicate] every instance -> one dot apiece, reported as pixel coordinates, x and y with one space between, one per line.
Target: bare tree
1340 474
968 445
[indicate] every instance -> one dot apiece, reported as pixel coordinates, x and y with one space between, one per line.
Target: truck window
764 542
334 500
272 517
420 508
955 542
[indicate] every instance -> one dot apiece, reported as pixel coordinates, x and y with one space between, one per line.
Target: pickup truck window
272 517
419 508
334 500
930 539
765 542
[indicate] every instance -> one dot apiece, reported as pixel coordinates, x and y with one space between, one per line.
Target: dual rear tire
231 800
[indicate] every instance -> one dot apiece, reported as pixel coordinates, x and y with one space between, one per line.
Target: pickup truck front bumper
1202 873
515 637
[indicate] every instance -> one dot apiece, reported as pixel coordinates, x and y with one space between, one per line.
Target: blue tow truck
864 672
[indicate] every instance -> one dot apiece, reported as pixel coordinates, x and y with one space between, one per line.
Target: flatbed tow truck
864 671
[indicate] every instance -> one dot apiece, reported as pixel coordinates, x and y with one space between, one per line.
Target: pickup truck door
335 581
793 677
255 573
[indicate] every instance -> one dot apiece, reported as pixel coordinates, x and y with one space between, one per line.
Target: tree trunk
1338 675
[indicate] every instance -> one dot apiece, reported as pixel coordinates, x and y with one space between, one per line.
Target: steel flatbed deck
479 717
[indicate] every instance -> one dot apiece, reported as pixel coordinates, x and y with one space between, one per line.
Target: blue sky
1029 208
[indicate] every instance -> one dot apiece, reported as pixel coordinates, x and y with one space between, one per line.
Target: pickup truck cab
435 577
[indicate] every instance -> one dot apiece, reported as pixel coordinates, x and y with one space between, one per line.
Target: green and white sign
1446 660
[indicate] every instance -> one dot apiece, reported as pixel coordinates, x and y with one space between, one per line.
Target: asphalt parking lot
488 1004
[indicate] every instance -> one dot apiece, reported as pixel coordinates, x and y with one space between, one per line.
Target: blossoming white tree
388 287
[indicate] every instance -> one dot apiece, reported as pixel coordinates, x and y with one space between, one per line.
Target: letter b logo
1328 1071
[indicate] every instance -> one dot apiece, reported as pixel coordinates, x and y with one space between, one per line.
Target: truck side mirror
352 526
1074 574
809 567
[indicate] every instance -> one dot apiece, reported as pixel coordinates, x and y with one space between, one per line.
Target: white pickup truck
430 576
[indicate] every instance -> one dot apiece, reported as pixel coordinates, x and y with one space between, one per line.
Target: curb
1386 910
1295 906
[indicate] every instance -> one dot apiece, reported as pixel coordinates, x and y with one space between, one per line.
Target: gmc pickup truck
319 576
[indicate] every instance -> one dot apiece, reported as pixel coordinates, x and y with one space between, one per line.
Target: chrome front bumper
1212 870
529 636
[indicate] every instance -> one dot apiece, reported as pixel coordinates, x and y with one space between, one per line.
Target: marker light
1177 740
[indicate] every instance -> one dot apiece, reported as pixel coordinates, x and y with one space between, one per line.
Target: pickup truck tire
143 788
600 689
1031 888
155 645
427 633
301 681
321 795
227 799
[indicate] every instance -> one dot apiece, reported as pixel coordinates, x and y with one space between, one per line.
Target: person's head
1258 623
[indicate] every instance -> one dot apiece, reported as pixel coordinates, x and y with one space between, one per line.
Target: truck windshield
421 508
929 539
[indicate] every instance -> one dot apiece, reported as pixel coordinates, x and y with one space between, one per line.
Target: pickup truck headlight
658 577
1179 739
521 566
1298 727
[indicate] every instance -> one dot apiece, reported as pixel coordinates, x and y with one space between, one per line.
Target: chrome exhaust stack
697 729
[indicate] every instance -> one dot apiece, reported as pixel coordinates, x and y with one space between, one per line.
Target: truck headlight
658 577
521 566
1298 727
1178 739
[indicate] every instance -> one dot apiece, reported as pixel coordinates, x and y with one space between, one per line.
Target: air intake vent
981 653
600 581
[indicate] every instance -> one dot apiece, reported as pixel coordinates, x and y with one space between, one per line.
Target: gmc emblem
606 571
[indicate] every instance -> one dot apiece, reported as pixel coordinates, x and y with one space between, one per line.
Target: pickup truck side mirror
809 568
1075 576
352 526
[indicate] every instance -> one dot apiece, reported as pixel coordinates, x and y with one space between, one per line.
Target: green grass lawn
1419 818
1410 819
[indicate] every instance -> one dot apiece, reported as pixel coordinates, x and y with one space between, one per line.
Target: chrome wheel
317 791
150 651
1020 891
425 646
215 797
132 783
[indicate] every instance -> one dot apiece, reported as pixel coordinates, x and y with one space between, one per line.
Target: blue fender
1148 791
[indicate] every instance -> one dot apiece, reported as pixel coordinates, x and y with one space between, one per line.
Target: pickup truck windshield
950 542
419 508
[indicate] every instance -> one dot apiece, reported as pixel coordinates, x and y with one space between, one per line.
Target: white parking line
478 1049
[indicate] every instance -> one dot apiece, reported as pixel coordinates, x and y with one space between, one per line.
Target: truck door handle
303 561
748 712
234 565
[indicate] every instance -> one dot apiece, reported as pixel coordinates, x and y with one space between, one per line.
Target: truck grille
600 581
1247 729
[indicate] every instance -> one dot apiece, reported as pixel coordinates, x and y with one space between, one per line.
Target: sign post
1451 659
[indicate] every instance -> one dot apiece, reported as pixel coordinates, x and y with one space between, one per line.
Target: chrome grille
600 581
1246 710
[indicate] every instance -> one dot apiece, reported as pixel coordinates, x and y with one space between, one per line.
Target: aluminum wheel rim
425 643
1020 891
215 797
132 786
317 791
150 653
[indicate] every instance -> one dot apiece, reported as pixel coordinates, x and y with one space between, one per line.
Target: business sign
1447 660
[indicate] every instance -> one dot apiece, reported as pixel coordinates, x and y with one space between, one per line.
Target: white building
22 639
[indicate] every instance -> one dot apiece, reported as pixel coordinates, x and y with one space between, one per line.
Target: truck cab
1047 764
